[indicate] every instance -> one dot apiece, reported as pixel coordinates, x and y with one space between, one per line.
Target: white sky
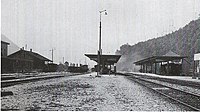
71 27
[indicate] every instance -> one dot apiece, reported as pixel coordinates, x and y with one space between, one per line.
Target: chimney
22 48
30 50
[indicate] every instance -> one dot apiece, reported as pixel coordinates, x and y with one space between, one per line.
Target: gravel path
85 92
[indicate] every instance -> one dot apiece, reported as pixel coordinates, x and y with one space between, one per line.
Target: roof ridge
171 53
39 55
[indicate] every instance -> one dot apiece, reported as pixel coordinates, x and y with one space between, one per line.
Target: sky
71 27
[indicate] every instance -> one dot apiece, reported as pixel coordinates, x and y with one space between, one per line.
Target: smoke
126 62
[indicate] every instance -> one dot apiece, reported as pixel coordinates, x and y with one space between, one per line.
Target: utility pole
52 54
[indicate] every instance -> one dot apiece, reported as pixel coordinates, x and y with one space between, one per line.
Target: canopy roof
106 59
170 56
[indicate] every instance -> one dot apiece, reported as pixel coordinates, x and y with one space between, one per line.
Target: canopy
106 59
170 56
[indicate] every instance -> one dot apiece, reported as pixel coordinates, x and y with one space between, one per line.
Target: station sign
196 56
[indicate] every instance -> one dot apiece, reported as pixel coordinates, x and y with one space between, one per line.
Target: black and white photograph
100 55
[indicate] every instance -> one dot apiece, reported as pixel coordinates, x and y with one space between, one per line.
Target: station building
11 65
24 61
34 61
4 48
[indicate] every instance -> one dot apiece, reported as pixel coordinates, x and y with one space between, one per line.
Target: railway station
165 53
107 62
168 64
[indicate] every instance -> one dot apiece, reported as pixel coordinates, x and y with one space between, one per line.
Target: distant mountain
183 42
12 47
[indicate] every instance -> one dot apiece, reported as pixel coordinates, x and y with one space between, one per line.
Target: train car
80 69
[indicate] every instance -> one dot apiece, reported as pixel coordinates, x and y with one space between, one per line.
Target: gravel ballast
86 93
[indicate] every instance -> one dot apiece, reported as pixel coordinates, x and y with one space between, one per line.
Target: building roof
39 56
107 59
170 56
34 54
5 42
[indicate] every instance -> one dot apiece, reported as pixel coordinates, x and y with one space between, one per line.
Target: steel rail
171 87
174 99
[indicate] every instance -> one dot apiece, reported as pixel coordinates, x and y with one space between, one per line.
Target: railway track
187 99
195 85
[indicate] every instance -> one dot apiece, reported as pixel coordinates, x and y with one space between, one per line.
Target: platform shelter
107 61
168 64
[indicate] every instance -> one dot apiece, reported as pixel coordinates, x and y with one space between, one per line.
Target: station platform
175 78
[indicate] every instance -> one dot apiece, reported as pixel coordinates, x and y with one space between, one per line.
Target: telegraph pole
52 54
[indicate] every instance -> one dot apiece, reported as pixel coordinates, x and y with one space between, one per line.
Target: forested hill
183 42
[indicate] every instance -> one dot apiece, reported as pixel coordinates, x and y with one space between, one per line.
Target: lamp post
100 50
